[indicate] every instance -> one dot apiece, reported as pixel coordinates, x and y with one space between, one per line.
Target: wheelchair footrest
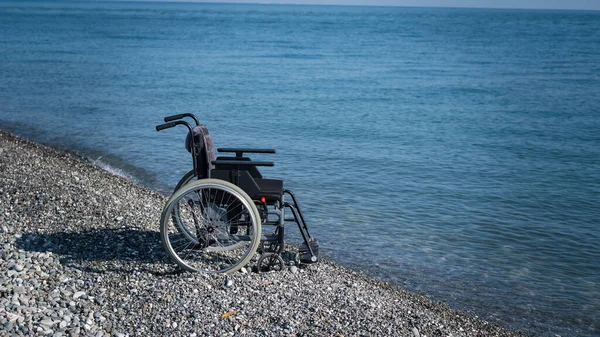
309 255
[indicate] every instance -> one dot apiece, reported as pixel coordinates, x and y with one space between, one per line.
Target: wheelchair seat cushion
271 189
205 148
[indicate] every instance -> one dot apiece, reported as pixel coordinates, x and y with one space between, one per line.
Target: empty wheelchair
223 211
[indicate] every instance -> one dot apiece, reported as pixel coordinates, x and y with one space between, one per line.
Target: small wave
116 171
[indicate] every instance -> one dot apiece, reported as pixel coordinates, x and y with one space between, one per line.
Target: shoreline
82 255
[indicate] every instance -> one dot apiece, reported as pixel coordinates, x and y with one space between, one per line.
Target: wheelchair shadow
113 250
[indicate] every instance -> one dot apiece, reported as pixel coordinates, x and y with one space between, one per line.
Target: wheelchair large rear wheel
217 227
185 179
188 177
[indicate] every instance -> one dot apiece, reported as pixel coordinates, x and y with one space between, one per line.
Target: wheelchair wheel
270 262
217 228
185 179
188 177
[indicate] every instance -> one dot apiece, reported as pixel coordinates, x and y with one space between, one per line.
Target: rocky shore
81 256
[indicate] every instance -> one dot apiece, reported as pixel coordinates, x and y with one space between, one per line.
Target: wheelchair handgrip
174 117
180 116
165 126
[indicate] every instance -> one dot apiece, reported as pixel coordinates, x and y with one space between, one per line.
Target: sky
538 4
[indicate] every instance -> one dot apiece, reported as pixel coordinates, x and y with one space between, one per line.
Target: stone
47 322
75 331
8 325
78 294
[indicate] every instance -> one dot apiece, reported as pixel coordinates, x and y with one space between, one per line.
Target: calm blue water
454 152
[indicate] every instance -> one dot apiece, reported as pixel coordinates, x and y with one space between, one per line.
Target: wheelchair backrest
204 150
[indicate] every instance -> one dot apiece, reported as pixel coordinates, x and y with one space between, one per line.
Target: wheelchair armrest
240 151
254 172
232 158
242 163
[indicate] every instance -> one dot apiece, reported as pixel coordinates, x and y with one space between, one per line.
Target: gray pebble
8 325
75 331
47 322
78 294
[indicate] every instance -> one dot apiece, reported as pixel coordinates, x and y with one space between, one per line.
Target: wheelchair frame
224 234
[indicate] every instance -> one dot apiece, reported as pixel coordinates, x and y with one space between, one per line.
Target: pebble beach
81 256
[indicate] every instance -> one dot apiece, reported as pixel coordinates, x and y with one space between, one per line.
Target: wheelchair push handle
165 126
180 116
172 124
174 117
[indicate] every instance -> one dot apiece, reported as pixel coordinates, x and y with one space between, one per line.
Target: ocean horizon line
327 4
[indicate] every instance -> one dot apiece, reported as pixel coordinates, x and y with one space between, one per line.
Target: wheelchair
223 213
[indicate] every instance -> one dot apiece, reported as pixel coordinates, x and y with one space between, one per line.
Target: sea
452 152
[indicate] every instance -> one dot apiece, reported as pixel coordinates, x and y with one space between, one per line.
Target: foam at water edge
116 171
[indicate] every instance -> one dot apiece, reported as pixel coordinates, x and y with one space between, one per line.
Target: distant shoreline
81 254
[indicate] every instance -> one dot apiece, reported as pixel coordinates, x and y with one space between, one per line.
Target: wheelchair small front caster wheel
270 262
